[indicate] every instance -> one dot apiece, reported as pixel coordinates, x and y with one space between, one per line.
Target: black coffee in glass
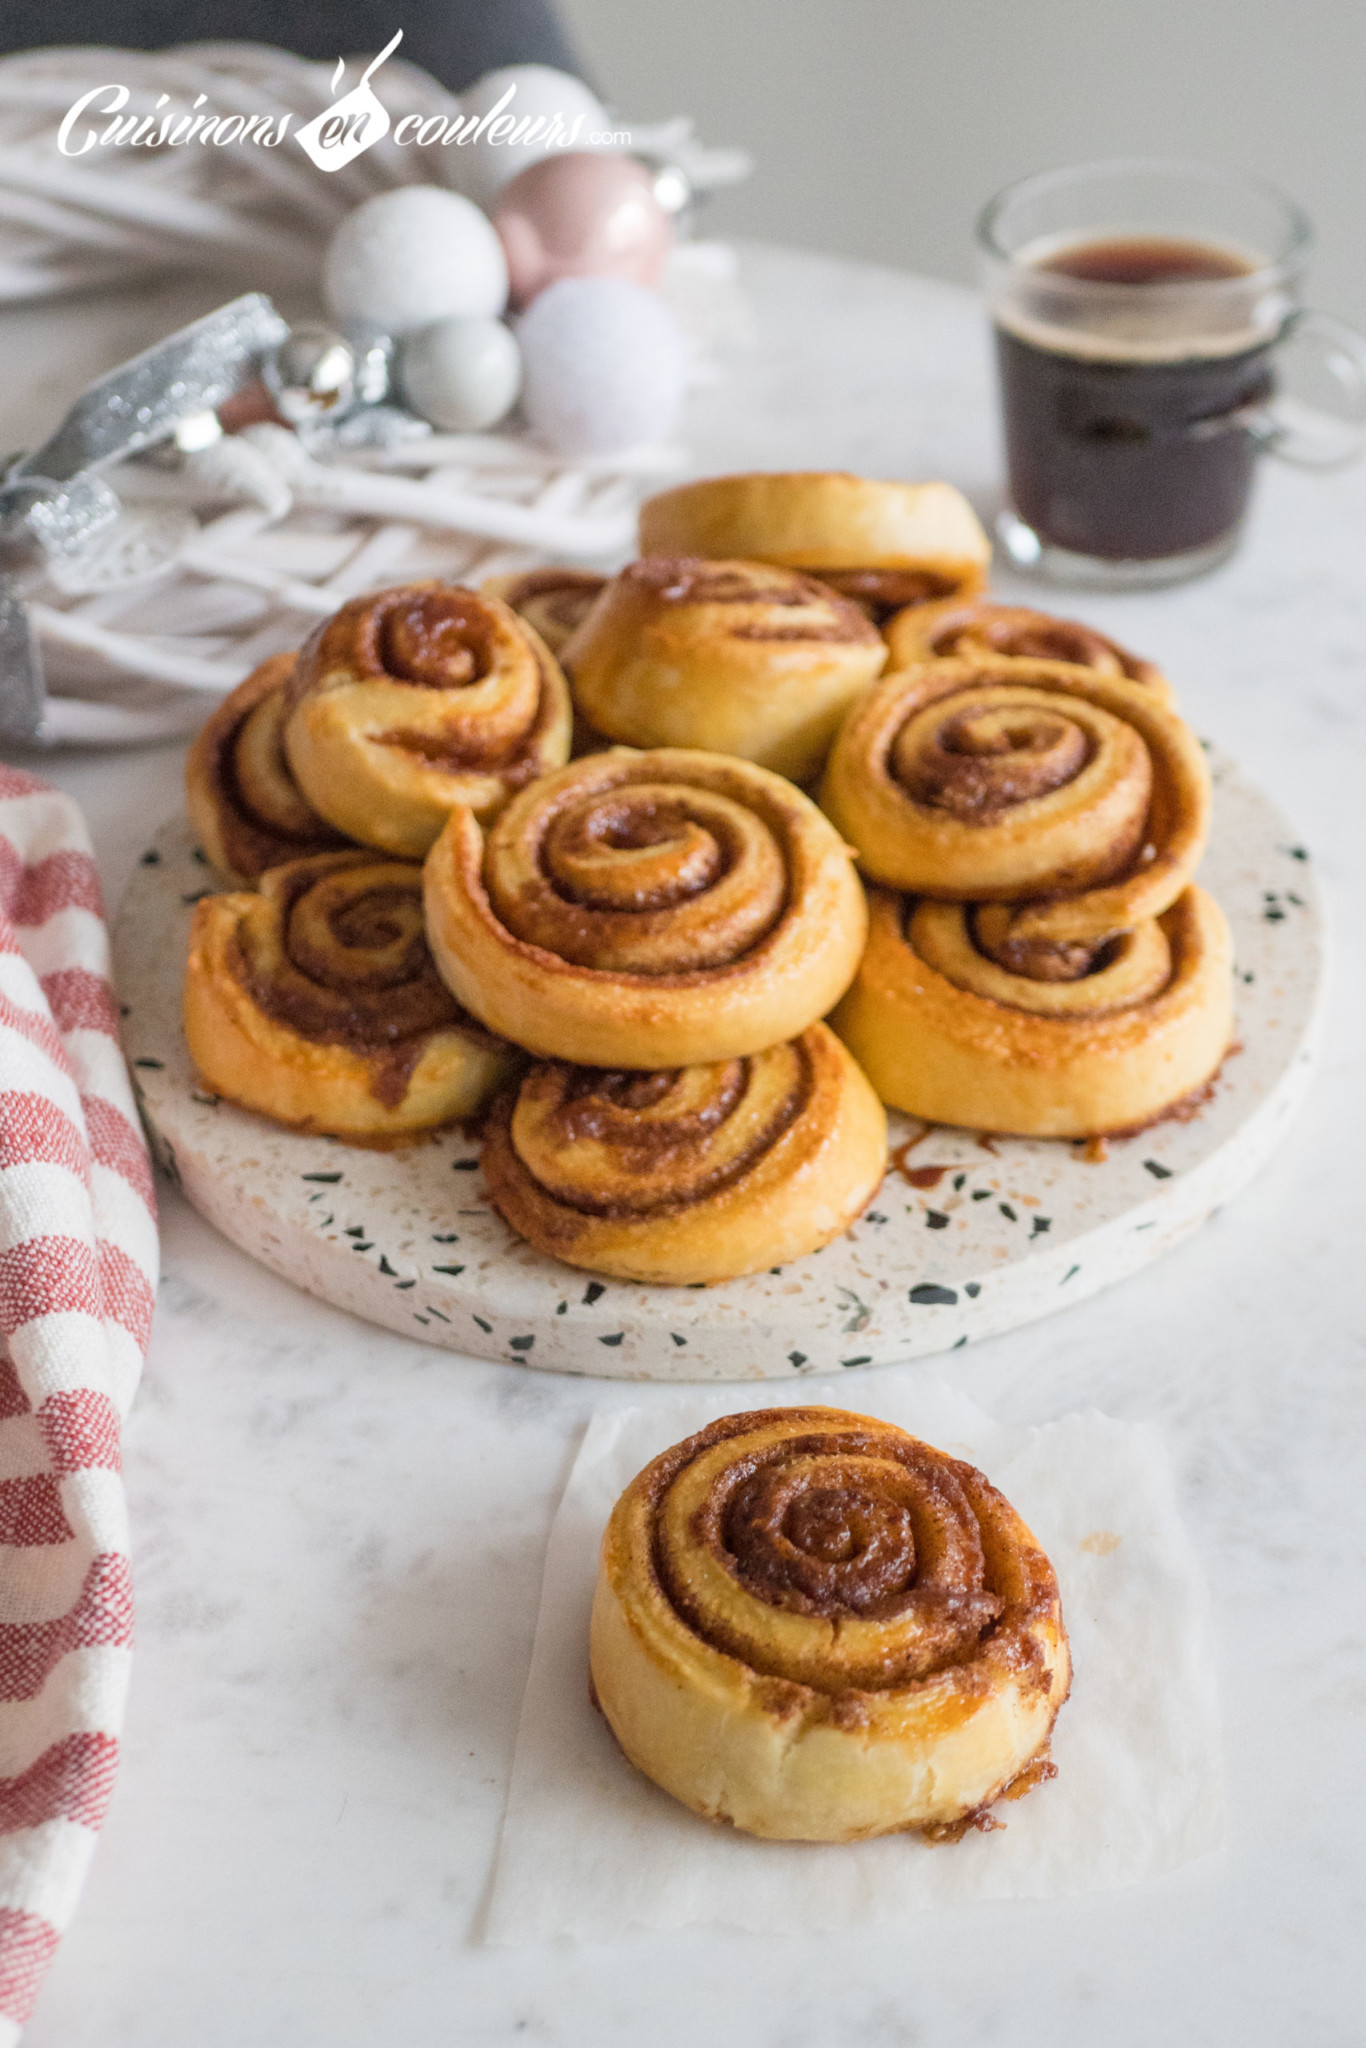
1131 446
1139 308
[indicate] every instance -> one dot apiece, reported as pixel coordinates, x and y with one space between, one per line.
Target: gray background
879 128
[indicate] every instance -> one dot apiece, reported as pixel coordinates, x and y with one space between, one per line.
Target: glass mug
1150 343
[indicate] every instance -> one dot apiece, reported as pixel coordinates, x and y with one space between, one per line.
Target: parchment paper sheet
591 1849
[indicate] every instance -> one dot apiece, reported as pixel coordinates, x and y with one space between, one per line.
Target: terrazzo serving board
968 1236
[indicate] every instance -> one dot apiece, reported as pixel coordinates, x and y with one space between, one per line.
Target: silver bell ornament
310 373
374 353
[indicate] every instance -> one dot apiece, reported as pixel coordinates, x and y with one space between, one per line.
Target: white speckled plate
991 1234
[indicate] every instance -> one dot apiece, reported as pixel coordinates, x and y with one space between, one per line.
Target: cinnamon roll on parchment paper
734 657
976 628
883 545
408 702
647 910
818 1628
693 1174
243 800
315 1001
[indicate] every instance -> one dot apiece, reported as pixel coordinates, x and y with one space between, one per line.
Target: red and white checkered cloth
78 1261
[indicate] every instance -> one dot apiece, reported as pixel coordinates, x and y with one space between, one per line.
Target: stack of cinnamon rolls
596 859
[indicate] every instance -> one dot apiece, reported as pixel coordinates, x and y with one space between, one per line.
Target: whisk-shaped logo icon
355 123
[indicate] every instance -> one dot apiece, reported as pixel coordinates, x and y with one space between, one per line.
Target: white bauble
482 168
604 366
462 375
414 255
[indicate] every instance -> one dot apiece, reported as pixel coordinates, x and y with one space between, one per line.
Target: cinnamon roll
977 629
316 1003
996 781
818 1628
948 1029
413 700
735 657
883 545
647 910
691 1174
553 601
245 805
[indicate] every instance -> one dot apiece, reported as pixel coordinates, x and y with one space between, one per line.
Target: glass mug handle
1317 418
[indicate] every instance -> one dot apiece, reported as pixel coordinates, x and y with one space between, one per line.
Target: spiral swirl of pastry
647 910
247 808
947 1030
316 1002
817 1627
735 657
553 601
691 1174
1017 781
411 701
881 545
978 630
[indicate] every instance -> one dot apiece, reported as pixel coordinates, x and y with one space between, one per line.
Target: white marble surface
339 1534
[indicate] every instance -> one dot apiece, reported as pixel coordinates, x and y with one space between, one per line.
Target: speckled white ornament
462 375
406 258
604 366
539 94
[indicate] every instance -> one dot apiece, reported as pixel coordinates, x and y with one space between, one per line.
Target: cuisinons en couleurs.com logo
335 137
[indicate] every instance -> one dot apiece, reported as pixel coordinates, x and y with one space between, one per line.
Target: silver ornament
312 371
675 192
374 353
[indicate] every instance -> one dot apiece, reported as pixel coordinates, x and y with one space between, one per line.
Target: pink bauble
583 214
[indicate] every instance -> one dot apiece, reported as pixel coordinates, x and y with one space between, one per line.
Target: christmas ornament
311 372
51 505
414 255
604 366
581 215
462 375
522 113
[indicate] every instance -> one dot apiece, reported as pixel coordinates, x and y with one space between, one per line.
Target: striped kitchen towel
78 1260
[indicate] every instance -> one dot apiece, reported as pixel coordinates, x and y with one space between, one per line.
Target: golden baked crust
647 910
975 628
990 780
411 701
818 1628
244 803
946 1031
552 600
315 1002
734 657
694 1173
884 545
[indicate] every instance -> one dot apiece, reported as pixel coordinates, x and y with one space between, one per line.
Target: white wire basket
238 552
